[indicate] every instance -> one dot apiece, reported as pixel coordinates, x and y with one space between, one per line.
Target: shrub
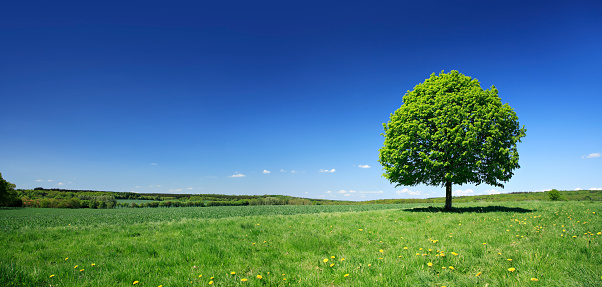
554 195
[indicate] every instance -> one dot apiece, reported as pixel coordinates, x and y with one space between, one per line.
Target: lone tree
450 131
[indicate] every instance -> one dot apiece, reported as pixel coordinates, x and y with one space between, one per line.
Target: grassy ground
511 244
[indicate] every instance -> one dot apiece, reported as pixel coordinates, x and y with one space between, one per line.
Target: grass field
508 244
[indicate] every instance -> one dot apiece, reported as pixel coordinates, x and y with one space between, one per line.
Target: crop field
496 244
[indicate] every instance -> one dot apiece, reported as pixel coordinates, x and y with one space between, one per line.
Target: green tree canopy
450 131
8 196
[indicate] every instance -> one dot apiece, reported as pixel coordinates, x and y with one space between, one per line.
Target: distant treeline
63 198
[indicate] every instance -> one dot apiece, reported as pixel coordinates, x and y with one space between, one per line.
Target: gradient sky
282 97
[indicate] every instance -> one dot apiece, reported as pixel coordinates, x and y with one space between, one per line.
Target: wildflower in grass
346 275
478 274
511 269
509 259
331 264
92 264
210 282
51 275
381 251
232 273
454 254
534 279
325 260
574 236
66 258
243 280
342 259
332 256
81 270
259 277
135 282
430 264
451 267
200 275
75 267
369 265
211 278
405 248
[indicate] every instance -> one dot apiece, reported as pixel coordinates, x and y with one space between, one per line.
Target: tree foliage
451 131
8 196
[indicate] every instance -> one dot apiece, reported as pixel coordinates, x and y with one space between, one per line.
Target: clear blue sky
282 97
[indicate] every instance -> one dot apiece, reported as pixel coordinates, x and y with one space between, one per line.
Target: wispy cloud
237 175
189 188
265 171
591 155
153 163
363 166
408 192
175 190
596 188
48 180
327 170
351 191
463 192
492 191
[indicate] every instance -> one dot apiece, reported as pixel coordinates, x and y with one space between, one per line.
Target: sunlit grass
394 247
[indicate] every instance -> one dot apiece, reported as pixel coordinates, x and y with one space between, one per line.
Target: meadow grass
511 244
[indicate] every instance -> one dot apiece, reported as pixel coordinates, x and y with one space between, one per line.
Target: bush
554 195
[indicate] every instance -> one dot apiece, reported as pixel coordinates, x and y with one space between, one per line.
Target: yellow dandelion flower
574 236
259 277
92 264
430 264
534 279
381 251
478 274
283 279
511 269
509 259
82 270
342 259
210 282
232 273
51 275
75 267
331 264
451 267
211 278
405 248
243 280
66 258
200 275
346 275
135 282
454 253
369 265
332 256
325 260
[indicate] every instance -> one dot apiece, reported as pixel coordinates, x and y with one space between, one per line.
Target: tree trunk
448 195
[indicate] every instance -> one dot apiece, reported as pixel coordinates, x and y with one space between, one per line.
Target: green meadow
531 243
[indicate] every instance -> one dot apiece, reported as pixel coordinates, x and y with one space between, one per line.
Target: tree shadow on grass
476 209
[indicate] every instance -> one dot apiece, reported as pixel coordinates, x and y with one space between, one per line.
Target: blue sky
281 97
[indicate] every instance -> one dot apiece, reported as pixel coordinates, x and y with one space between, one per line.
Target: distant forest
65 198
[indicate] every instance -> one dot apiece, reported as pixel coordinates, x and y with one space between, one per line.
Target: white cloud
492 191
154 163
282 170
342 191
595 188
48 180
326 170
463 192
265 171
592 155
175 190
330 191
363 166
578 188
60 183
237 175
189 188
408 192
292 171
348 192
